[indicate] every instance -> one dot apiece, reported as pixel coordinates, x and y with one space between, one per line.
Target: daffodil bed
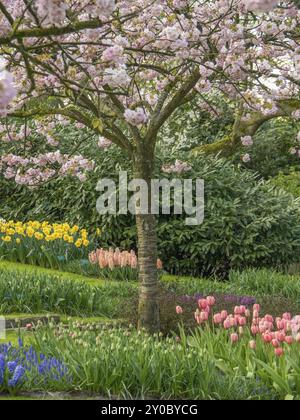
43 244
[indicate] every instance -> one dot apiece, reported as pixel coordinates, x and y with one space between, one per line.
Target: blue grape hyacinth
19 365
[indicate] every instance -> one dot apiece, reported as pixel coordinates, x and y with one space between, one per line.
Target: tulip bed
226 341
204 364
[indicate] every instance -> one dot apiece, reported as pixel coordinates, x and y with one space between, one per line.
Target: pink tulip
211 300
269 318
247 313
237 310
233 322
204 316
29 327
159 264
267 338
179 310
227 324
242 321
289 339
256 307
287 316
275 343
280 324
254 330
234 338
255 314
279 352
252 345
224 315
280 336
217 319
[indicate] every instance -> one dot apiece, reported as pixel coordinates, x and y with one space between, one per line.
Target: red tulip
202 303
289 339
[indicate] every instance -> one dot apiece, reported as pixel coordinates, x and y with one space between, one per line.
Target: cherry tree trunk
148 312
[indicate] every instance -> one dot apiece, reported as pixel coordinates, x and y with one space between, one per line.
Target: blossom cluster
178 168
260 5
36 170
131 63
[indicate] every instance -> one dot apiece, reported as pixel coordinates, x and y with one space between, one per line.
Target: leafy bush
248 223
270 152
289 182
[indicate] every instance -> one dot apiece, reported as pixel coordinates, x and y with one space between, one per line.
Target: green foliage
35 292
192 125
270 152
133 364
247 223
289 182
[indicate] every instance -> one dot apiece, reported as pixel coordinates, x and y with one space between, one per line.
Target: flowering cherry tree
120 69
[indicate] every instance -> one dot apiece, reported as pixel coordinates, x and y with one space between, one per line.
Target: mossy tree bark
148 311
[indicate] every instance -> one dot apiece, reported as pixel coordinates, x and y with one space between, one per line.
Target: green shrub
248 223
289 182
270 152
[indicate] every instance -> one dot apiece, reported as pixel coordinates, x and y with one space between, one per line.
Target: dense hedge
247 222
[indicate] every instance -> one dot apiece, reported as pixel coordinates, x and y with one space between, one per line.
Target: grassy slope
63 275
